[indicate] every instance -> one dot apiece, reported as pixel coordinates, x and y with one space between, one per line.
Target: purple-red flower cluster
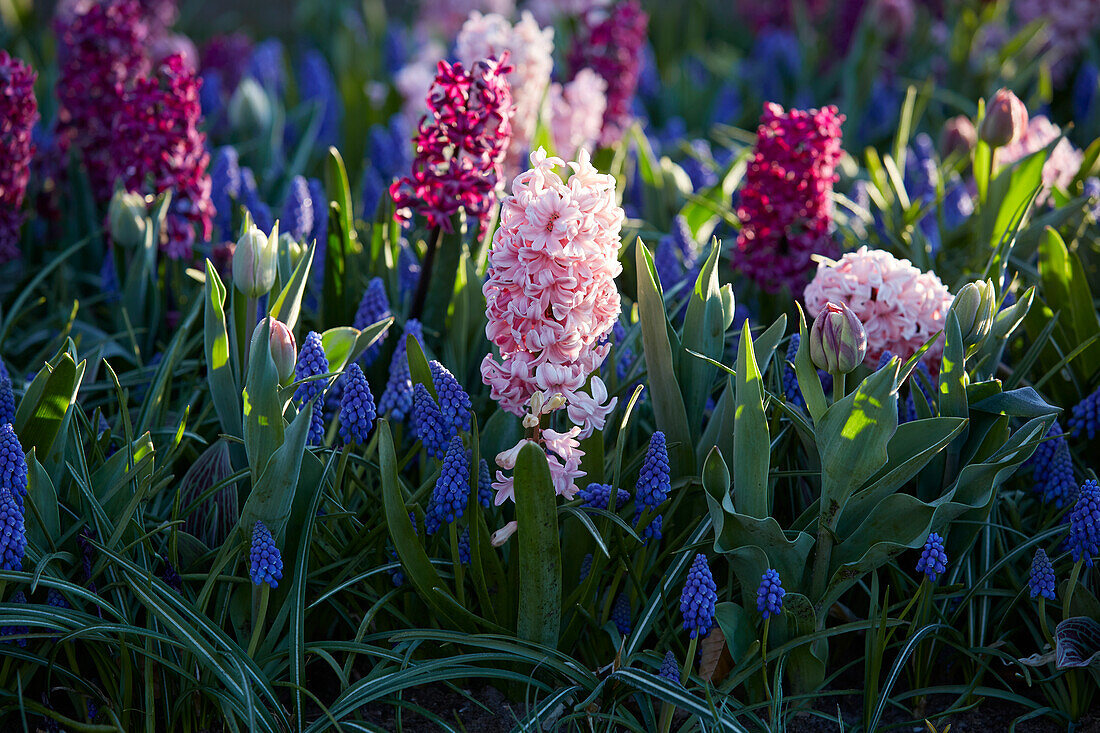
610 43
158 147
18 113
460 145
786 208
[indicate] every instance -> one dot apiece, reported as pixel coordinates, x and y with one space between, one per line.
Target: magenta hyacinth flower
610 43
786 208
18 113
460 145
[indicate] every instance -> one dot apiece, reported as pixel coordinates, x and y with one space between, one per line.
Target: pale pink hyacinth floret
900 306
575 112
530 50
1062 165
551 300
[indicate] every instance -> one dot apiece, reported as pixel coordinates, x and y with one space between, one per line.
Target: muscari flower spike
933 558
620 614
586 566
464 547
484 484
653 478
55 599
311 362
297 218
13 532
267 563
374 307
1086 416
430 426
7 401
13 464
769 596
17 631
1052 469
397 398
1084 524
357 411
698 599
1040 580
452 488
598 496
453 400
670 668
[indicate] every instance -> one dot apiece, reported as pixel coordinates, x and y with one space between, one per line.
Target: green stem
260 596
1043 621
764 657
460 591
434 240
340 475
838 387
689 660
1073 578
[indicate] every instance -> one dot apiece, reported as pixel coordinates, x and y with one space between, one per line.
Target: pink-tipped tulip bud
284 350
893 19
1005 119
958 137
974 307
838 341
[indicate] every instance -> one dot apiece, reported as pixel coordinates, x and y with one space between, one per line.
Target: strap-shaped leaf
808 382
262 408
47 401
42 520
272 495
751 439
704 332
224 390
288 305
539 549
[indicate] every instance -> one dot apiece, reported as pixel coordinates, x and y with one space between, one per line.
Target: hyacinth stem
689 660
460 591
1043 621
434 240
260 596
1073 578
667 709
340 472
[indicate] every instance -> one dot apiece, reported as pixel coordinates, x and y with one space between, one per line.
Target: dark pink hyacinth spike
786 204
460 145
18 113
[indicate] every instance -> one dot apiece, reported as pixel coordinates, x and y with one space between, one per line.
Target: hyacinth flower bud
1005 119
958 137
255 259
838 341
250 108
126 216
974 306
284 350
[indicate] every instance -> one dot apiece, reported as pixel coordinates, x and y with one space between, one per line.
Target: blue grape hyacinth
374 307
586 566
19 632
1040 579
654 477
312 362
933 557
429 425
769 595
484 484
250 196
397 398
317 85
1084 524
13 464
266 562
1086 416
620 614
297 218
453 400
1052 469
13 532
670 668
7 400
698 599
225 189
598 496
357 411
452 488
464 547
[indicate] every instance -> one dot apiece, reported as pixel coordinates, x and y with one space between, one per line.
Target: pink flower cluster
574 112
158 147
101 52
18 113
530 50
1062 165
1069 26
551 301
610 43
786 204
900 306
460 145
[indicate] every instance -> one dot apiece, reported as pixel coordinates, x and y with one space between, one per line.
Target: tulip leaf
751 439
272 496
42 521
288 305
219 365
263 410
808 381
419 370
704 332
539 618
47 402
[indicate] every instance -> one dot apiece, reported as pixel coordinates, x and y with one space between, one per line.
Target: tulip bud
127 218
249 107
1005 119
974 307
284 351
838 341
958 137
291 246
255 261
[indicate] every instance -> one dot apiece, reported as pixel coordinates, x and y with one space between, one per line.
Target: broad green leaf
419 370
289 303
539 549
42 521
704 332
1065 288
808 382
46 403
272 496
224 390
444 272
263 410
751 439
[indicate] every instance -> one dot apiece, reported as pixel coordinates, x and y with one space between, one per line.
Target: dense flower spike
786 202
1086 416
266 562
317 86
769 596
13 464
551 291
311 362
933 558
317 424
1060 168
530 52
1052 469
454 403
18 114
698 599
620 614
297 218
374 307
225 190
654 476
484 484
464 547
7 400
586 566
575 111
389 155
357 411
460 145
250 197
670 668
157 146
1040 579
100 53
16 631
899 306
452 488
1084 524
13 532
397 398
610 43
431 427
55 599
598 496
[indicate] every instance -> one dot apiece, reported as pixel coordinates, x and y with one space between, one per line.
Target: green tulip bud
250 107
255 260
838 341
974 307
127 217
284 350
